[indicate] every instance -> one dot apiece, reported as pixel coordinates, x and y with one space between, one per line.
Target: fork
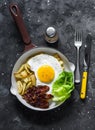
78 44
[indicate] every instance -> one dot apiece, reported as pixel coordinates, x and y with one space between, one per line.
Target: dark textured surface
65 16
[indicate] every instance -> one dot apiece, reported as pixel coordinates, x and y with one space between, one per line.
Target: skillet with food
42 78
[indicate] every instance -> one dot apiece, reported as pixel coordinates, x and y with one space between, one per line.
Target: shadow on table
46 117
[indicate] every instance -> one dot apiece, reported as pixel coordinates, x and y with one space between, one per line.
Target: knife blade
86 66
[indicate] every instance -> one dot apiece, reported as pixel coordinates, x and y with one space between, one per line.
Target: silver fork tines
78 44
78 36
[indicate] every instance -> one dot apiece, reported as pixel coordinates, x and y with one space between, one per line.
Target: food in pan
46 68
37 96
42 80
25 78
63 86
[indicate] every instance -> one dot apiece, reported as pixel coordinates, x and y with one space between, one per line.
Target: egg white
45 59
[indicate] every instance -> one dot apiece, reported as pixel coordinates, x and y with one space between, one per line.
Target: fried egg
46 73
46 68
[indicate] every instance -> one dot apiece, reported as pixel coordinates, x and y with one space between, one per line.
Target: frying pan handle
16 14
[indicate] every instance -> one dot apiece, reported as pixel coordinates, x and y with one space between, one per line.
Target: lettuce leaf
63 86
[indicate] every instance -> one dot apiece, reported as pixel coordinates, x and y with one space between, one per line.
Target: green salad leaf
63 86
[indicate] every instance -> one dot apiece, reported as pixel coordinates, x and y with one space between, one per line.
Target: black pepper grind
51 35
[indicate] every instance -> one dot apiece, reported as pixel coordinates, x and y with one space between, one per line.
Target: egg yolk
46 73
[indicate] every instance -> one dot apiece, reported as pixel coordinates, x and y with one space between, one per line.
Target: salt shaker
51 35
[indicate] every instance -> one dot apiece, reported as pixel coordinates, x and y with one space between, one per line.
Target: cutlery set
87 50
78 44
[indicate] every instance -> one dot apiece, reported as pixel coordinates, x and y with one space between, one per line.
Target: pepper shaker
51 35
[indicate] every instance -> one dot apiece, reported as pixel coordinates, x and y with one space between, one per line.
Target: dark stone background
65 16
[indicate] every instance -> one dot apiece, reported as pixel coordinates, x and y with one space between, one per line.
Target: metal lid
50 31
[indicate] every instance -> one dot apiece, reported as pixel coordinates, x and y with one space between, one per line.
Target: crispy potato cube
17 75
24 74
33 80
29 84
19 86
21 68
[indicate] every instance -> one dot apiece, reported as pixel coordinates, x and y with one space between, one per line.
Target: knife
86 66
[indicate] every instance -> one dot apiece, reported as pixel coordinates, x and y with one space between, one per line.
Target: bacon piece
37 96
